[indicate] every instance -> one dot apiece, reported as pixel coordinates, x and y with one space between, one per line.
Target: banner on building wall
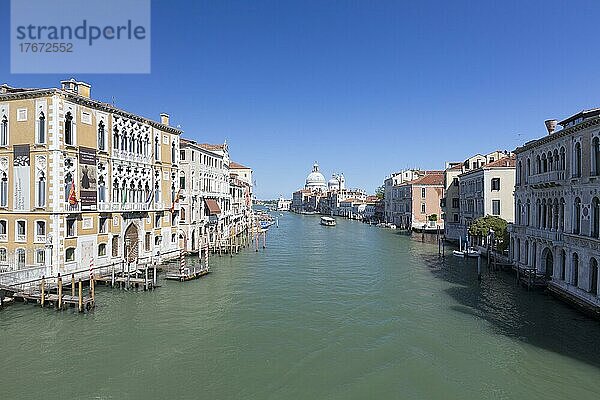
21 167
88 183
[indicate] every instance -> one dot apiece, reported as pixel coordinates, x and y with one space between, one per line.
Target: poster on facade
21 168
87 178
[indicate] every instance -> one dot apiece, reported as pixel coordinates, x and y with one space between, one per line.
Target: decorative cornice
557 135
91 103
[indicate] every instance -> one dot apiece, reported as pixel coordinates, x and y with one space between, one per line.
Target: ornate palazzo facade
83 183
557 207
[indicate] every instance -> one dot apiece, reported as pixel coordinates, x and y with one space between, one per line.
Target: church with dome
322 196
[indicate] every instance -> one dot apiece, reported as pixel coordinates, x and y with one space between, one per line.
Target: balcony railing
71 207
554 236
579 240
3 237
551 178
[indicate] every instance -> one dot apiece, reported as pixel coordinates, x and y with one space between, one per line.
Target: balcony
71 207
116 206
546 179
581 241
553 236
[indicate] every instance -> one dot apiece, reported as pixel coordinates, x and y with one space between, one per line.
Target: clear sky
365 88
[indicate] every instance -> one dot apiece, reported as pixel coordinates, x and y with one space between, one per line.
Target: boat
266 224
327 221
470 252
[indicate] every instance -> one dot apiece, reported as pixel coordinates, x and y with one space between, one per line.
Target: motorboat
327 221
470 252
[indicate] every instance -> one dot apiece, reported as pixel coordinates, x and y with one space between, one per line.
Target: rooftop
234 165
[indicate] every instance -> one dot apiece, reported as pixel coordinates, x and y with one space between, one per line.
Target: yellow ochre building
83 183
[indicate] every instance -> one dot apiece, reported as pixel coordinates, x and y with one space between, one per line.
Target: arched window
156 148
41 190
4 190
70 254
563 163
550 161
116 142
116 190
69 139
124 142
173 154
595 217
41 134
519 211
561 215
101 190
528 168
563 264
594 277
519 173
526 252
544 163
596 156
101 137
4 131
518 250
577 216
556 159
68 184
20 258
544 214
528 212
577 160
575 270
538 166
182 215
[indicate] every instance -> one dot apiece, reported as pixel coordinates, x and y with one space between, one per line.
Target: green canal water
350 312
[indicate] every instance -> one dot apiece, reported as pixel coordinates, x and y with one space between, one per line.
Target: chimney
164 118
81 88
551 125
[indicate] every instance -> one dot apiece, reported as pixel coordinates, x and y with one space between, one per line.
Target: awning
213 207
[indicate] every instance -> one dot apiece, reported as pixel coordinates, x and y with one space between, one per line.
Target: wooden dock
187 275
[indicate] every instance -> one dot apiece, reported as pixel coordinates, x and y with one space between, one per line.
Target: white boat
327 221
466 253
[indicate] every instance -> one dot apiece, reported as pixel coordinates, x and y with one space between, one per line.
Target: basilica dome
315 180
333 184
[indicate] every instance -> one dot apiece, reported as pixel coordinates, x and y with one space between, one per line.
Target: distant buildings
283 204
556 232
330 198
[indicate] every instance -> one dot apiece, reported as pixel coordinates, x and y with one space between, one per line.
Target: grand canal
351 312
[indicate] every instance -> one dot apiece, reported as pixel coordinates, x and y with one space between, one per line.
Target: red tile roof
211 147
234 165
430 179
502 162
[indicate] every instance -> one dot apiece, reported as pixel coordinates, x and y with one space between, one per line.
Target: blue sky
365 88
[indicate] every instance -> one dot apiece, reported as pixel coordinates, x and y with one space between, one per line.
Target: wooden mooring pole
80 297
73 285
43 290
59 303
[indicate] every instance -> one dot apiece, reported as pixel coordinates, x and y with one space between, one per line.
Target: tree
481 228
433 217
380 192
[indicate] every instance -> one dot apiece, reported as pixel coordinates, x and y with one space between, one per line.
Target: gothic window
4 131
173 153
4 190
577 160
575 270
562 159
68 184
577 216
595 217
41 134
101 137
596 156
594 277
41 190
157 148
69 139
116 138
101 190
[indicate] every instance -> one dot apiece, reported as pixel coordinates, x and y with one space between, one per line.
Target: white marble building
557 208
